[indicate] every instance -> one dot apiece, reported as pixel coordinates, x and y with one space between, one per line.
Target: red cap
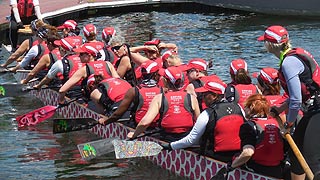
108 31
173 74
87 48
152 42
69 43
70 24
197 63
269 75
237 64
149 67
88 29
275 34
217 86
167 54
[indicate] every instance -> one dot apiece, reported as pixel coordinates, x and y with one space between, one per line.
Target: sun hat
89 29
108 31
152 42
237 64
87 48
216 86
149 67
69 43
167 54
70 24
275 34
268 75
197 63
174 75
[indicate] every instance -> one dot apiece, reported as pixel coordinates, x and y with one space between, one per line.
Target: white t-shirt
32 53
35 2
55 69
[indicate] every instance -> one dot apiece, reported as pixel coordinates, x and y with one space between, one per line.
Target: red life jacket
54 56
269 142
243 91
25 8
71 64
115 88
275 100
143 98
159 61
177 114
309 78
108 55
98 67
223 127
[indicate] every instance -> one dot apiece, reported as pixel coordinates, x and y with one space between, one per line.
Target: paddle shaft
296 152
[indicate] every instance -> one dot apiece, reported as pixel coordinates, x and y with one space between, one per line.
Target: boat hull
182 162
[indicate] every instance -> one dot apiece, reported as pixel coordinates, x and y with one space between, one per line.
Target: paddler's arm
42 64
123 107
148 118
246 154
19 52
27 59
195 106
53 71
248 139
76 77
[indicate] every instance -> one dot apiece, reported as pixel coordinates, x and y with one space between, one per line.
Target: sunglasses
116 48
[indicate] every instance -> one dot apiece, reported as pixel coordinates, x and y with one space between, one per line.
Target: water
36 153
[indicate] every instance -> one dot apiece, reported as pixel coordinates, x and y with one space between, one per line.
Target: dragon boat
182 162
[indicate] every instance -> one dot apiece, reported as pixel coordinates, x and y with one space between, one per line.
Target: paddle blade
130 149
12 90
36 116
75 124
94 149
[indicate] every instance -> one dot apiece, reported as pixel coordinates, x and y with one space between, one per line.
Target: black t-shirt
247 135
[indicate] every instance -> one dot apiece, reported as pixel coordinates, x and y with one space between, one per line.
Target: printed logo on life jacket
98 65
270 131
175 98
246 92
2 91
176 109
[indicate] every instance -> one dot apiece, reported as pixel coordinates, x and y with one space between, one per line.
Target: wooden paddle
98 148
62 125
36 116
296 151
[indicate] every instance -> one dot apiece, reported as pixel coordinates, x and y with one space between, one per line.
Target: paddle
36 116
97 148
5 70
130 149
94 149
296 151
17 89
75 124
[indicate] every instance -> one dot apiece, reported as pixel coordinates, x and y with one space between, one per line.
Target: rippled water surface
36 153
